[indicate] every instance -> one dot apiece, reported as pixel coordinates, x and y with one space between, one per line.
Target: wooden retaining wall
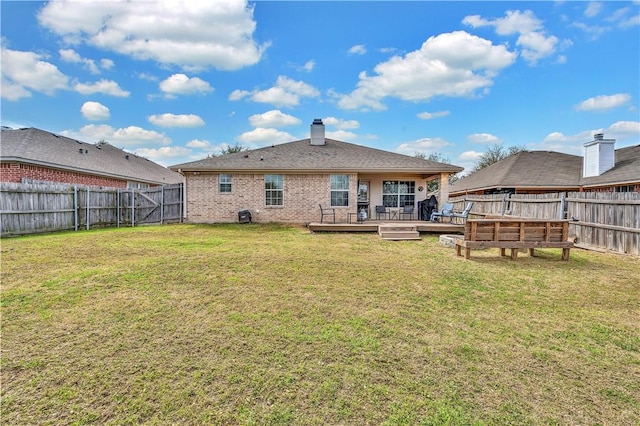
37 208
599 220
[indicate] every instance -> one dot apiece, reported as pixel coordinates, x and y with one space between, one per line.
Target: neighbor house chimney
317 132
599 156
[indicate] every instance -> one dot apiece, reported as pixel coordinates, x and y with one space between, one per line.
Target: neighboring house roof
625 171
333 156
525 169
550 170
38 147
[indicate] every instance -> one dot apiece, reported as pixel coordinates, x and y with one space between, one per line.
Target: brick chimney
317 132
599 156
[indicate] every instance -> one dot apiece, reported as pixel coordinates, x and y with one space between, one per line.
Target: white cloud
424 146
106 87
432 115
200 144
273 118
358 49
180 84
23 72
593 9
308 66
71 56
286 93
532 38
161 155
468 160
95 111
537 45
340 123
262 137
176 120
622 131
106 64
604 102
132 136
190 34
483 138
454 64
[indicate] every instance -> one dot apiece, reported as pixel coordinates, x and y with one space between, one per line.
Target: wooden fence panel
36 208
607 220
602 220
32 208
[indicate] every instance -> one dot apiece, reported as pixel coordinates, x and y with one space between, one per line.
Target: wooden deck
372 226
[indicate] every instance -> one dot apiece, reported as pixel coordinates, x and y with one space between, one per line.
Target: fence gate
35 208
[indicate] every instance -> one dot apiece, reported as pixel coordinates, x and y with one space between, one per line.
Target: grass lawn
268 325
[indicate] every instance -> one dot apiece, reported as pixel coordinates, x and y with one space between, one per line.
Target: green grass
272 325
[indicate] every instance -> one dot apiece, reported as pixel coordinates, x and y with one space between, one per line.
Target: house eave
308 171
77 170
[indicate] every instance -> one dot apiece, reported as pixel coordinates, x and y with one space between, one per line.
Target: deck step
402 235
398 232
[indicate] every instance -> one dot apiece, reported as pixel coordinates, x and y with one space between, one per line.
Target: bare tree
495 153
434 185
233 149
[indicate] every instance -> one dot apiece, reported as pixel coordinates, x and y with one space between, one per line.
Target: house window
398 193
136 185
274 190
339 190
224 182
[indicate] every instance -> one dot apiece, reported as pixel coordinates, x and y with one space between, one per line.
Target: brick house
34 155
288 182
603 168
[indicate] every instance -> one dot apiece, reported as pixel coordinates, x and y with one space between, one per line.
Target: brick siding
302 194
15 172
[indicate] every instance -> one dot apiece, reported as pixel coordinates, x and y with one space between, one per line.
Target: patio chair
407 210
327 212
382 210
446 211
463 215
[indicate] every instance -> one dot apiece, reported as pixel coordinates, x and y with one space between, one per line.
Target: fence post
75 208
161 204
118 208
133 207
563 206
88 208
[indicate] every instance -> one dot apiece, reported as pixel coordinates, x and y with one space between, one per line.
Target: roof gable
35 146
301 156
525 169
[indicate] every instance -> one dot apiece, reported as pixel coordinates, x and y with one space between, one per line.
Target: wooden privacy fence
37 208
602 220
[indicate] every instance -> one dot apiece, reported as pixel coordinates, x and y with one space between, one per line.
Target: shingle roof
549 170
301 156
626 170
35 146
525 169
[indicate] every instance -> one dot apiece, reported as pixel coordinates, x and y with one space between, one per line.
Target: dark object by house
426 207
244 216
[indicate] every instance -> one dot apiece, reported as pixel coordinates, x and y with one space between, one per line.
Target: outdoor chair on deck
464 213
446 211
381 210
407 210
327 212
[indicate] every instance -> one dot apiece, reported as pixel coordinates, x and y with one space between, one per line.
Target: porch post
444 188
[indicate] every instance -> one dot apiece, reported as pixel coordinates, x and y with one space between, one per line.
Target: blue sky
176 81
